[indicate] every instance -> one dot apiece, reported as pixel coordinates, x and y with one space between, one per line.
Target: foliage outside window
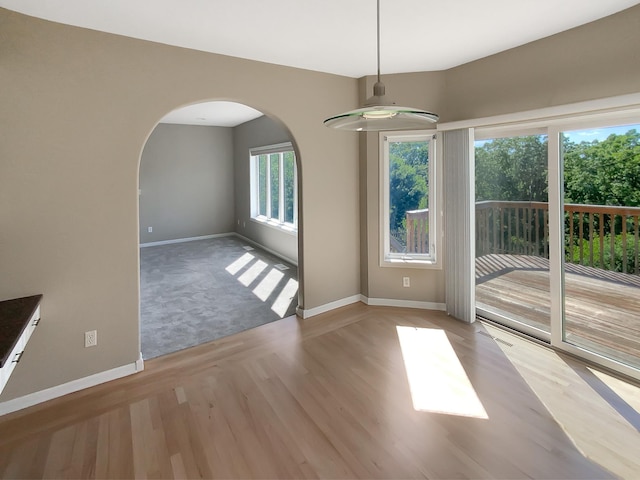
512 169
274 186
512 195
408 197
601 169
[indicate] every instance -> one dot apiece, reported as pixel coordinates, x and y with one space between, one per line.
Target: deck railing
512 228
601 236
417 224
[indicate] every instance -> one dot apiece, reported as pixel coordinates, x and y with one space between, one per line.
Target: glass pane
601 239
289 190
262 185
274 160
512 232
409 197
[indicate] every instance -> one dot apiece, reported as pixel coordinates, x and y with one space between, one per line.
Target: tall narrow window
274 189
289 187
409 233
261 160
274 181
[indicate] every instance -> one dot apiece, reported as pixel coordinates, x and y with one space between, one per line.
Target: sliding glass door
601 240
557 223
512 231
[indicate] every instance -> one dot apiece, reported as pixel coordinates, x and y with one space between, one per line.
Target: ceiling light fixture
380 113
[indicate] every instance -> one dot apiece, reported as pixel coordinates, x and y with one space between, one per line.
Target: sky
588 134
599 134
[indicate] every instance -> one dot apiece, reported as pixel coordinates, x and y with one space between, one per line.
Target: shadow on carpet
195 292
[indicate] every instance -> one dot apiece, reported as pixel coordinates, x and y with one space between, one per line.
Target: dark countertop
14 318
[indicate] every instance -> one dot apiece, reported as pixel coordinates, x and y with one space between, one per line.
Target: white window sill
400 262
283 227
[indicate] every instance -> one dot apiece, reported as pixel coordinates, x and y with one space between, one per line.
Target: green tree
512 169
408 174
603 173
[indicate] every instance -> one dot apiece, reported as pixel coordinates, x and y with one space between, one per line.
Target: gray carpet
195 292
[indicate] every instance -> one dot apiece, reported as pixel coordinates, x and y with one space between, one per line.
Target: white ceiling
220 114
333 36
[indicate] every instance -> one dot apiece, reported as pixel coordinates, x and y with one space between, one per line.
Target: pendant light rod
379 113
378 21
378 87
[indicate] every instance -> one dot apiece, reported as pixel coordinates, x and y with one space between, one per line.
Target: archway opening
219 219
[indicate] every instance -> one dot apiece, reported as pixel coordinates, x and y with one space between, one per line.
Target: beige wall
186 182
597 60
260 132
420 90
77 108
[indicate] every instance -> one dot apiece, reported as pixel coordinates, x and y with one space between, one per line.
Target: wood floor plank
329 397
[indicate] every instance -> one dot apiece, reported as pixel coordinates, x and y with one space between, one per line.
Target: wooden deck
602 308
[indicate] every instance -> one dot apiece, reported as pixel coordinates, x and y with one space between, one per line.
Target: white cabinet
18 319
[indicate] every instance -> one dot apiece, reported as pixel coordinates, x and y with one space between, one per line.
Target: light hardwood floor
329 397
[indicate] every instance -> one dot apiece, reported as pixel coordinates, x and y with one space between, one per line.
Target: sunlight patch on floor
286 295
268 284
239 264
437 380
627 392
252 273
561 390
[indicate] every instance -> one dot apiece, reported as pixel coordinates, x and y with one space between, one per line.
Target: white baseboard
70 387
181 240
327 307
218 235
266 249
380 302
390 302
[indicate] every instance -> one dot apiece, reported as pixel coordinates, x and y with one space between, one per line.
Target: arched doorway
219 240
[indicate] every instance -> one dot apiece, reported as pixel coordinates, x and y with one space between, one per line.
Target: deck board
602 309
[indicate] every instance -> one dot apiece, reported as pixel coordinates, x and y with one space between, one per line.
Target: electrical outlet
91 338
150 229
406 282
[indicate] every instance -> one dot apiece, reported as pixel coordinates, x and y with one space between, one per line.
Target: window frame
278 222
433 259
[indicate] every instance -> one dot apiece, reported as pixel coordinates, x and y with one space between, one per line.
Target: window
274 188
408 208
